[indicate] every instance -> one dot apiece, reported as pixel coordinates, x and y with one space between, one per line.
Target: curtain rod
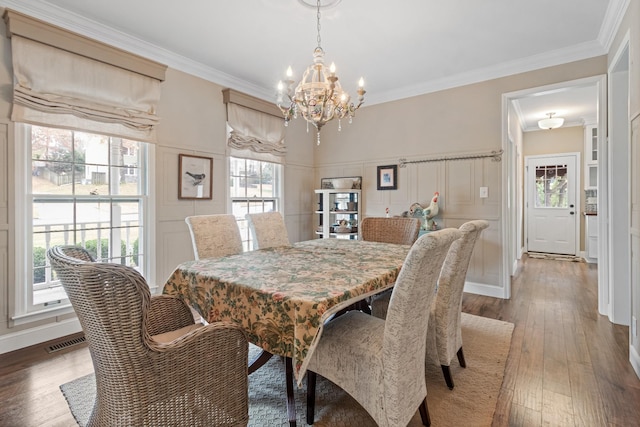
496 156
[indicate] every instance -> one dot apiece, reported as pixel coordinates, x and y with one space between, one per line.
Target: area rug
471 403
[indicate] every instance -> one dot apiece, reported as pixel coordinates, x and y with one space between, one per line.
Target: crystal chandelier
319 98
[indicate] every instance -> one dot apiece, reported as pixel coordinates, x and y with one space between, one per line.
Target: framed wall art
388 177
195 177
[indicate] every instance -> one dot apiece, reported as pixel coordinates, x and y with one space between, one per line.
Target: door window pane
551 186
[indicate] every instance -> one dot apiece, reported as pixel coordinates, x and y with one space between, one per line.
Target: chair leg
424 413
291 403
311 397
447 376
463 363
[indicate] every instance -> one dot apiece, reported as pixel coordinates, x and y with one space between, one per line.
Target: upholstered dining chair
398 230
214 236
268 230
153 364
381 363
444 340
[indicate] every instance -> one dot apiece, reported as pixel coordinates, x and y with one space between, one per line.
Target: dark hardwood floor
567 366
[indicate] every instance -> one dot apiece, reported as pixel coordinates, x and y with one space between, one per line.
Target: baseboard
484 289
37 335
634 358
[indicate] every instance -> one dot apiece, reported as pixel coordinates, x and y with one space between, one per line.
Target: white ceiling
402 48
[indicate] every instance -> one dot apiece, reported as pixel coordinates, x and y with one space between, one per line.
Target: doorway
551 197
514 128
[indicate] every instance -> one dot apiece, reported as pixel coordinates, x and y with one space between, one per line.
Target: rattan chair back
398 230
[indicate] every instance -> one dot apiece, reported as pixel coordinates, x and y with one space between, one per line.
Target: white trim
486 290
634 358
38 335
507 185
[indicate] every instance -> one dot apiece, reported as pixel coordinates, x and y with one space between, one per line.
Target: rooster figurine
431 211
425 215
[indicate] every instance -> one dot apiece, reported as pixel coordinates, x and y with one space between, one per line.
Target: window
83 189
551 186
254 187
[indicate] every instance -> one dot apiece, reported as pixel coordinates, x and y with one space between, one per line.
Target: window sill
42 314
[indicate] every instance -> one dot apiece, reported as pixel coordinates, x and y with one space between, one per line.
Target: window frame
24 310
276 198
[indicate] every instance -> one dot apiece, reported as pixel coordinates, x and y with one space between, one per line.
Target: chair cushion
173 335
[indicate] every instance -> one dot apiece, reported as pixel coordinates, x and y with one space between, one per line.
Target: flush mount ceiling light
319 97
550 122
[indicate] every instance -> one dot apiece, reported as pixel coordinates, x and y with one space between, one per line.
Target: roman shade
251 132
66 80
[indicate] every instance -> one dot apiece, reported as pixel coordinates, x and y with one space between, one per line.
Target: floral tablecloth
282 296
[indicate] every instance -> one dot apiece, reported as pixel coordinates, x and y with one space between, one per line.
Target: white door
551 213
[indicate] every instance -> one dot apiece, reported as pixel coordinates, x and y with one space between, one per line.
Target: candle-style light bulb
332 68
280 86
361 82
289 72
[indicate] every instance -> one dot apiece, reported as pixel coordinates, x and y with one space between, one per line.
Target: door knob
570 206
571 213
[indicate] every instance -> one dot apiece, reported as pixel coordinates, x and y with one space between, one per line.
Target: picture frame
195 177
327 183
388 177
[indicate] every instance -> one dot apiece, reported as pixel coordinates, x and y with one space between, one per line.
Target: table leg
259 361
291 403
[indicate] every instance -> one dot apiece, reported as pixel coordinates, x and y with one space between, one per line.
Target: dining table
282 296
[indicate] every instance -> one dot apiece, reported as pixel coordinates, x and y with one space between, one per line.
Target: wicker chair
77 253
444 340
153 365
268 230
214 236
381 363
399 230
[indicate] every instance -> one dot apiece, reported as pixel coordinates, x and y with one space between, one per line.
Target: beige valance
64 79
255 135
59 88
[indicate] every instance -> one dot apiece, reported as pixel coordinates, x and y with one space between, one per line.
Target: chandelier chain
318 18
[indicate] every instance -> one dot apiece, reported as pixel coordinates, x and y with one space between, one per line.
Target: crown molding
531 63
63 18
612 20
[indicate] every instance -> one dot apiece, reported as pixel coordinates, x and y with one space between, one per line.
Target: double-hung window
255 186
82 189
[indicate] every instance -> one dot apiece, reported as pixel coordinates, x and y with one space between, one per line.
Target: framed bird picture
195 177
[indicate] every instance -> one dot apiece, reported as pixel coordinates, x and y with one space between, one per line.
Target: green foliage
40 255
39 260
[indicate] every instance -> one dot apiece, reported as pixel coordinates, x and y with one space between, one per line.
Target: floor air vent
65 344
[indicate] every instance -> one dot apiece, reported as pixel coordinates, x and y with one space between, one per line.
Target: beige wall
556 141
458 121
